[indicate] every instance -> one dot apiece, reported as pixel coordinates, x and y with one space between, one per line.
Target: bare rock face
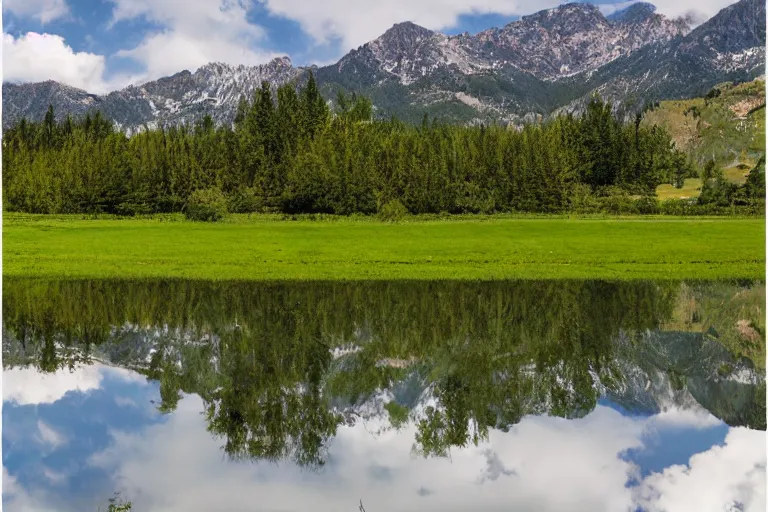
550 61
574 38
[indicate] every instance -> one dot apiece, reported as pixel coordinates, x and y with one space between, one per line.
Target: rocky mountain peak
402 38
402 52
567 19
635 13
406 30
574 38
278 64
737 28
284 61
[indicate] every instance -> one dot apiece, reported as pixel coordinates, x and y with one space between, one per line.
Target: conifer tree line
290 152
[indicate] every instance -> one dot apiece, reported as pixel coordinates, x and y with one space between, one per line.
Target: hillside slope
727 126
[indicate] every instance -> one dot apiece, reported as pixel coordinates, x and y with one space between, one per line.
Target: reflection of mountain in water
280 367
689 370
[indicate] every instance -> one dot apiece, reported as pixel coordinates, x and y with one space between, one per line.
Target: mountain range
550 62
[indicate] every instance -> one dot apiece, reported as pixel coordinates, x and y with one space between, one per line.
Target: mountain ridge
548 62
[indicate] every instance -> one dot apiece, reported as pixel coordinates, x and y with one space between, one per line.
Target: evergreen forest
288 151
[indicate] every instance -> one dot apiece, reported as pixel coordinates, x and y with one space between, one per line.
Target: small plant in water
118 505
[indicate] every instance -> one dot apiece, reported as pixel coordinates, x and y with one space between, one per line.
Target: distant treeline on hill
293 154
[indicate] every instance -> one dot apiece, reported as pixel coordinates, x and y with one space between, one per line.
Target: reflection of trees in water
259 356
269 404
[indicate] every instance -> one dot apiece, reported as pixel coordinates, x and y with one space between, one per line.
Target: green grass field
691 188
478 248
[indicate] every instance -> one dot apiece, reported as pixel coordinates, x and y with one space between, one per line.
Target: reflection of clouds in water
123 401
695 417
495 467
729 477
541 464
519 470
15 497
48 436
25 386
51 422
28 386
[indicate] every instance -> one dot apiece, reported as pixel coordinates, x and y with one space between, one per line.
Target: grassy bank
349 248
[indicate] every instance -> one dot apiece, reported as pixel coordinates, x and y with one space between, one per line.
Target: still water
523 395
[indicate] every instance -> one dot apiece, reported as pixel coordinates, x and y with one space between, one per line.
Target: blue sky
102 45
72 439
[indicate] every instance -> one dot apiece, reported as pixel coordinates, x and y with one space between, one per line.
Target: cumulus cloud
193 34
35 57
43 10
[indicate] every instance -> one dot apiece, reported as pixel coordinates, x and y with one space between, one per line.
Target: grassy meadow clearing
349 248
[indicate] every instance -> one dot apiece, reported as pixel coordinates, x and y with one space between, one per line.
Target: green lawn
691 189
477 248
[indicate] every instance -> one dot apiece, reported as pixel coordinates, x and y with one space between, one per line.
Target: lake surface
524 395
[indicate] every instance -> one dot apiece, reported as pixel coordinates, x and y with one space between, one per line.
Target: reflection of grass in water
732 313
481 248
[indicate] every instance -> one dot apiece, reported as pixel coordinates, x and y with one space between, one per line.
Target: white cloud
37 57
194 34
715 480
700 10
43 10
